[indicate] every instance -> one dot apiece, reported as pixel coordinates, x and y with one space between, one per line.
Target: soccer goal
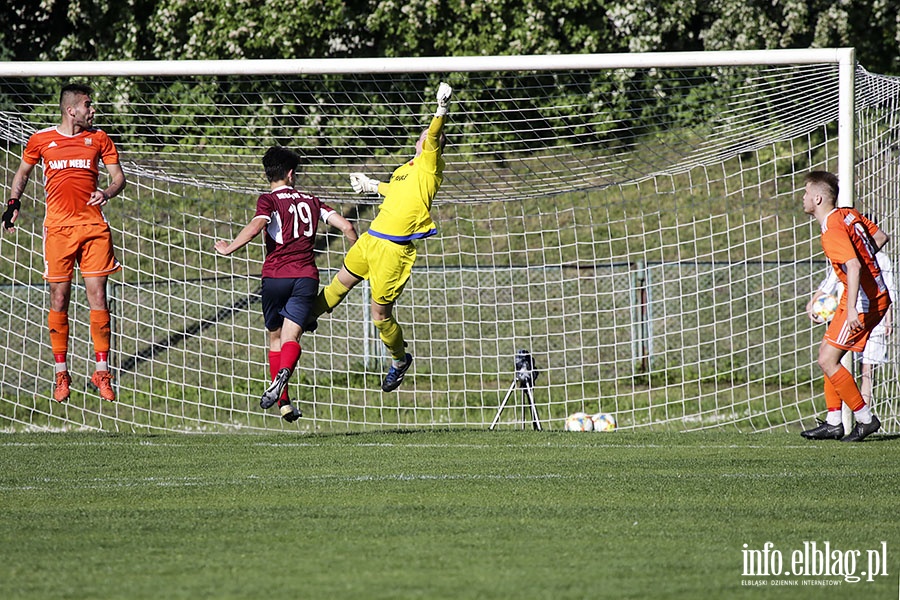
632 222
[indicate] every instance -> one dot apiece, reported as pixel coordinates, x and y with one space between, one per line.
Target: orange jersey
846 235
71 165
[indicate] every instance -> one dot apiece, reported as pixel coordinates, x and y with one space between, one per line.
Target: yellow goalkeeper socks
329 297
392 335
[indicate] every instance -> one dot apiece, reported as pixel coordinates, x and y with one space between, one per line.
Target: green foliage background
232 29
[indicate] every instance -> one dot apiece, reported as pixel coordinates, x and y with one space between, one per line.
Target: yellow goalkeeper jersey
404 214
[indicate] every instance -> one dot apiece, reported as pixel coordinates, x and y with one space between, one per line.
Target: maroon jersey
291 233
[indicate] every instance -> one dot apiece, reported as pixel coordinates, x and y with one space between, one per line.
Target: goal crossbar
845 57
448 64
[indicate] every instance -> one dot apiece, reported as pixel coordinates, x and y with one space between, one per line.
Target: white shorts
875 352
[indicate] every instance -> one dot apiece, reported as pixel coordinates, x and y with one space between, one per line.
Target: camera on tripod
525 372
524 379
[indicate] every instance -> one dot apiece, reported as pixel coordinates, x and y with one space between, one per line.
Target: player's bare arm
14 204
117 175
250 231
852 268
346 227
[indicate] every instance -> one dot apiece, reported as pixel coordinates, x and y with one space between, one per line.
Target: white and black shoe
289 412
273 392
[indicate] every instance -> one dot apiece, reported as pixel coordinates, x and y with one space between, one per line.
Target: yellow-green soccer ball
824 307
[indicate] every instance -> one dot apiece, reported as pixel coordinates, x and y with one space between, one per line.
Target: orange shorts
89 245
839 334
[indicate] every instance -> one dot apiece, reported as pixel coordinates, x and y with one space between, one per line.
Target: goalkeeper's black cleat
861 431
824 431
289 412
273 392
395 375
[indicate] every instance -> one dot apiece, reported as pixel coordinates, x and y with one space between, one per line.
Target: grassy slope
464 514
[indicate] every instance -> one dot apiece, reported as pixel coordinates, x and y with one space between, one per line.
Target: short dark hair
277 161
826 179
74 89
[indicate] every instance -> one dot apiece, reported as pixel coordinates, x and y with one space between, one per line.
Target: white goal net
635 226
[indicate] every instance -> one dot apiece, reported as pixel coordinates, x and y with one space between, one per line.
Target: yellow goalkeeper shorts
387 265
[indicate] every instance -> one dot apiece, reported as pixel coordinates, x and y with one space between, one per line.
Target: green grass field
439 514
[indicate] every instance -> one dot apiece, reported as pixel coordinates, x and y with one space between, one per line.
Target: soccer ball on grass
579 421
604 421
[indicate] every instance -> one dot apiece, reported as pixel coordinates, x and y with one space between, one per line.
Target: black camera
525 371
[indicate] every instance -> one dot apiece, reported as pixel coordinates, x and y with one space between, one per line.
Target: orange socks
832 398
100 331
100 334
59 332
845 387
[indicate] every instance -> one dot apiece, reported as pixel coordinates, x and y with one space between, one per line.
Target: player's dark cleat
861 431
61 387
824 431
289 412
395 375
102 380
273 392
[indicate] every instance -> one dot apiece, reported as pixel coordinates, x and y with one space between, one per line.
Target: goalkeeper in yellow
386 252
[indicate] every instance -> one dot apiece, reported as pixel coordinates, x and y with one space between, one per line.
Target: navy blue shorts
287 299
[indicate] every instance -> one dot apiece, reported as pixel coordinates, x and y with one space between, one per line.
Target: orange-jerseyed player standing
850 242
75 228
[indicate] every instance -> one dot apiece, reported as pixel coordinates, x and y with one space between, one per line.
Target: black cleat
863 430
824 431
289 412
273 392
395 375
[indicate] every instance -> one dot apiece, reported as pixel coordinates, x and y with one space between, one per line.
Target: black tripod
525 376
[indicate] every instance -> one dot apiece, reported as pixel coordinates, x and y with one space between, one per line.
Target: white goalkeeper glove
362 184
443 99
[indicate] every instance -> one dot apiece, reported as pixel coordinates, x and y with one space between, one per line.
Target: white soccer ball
824 307
579 422
604 421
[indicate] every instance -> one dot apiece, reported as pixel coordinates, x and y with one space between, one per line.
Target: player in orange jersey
850 242
75 228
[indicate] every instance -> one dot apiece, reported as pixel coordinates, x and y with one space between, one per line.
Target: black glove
11 206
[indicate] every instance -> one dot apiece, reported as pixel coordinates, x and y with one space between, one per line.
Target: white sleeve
887 271
831 284
326 214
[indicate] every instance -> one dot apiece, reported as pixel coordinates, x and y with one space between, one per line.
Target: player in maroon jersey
290 278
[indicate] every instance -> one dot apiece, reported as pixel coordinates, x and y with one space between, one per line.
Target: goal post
631 220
